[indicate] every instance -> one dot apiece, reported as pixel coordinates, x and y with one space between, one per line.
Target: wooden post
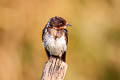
54 69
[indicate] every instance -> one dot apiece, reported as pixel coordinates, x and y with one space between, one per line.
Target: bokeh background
94 38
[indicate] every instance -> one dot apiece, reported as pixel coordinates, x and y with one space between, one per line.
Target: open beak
68 25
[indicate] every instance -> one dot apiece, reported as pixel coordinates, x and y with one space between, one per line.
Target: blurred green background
94 38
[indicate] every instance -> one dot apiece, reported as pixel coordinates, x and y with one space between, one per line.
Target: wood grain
54 69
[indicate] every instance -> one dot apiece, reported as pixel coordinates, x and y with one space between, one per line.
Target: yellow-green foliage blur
94 39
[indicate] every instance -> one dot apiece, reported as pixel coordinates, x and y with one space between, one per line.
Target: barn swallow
55 37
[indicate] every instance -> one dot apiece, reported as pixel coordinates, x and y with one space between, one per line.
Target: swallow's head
58 23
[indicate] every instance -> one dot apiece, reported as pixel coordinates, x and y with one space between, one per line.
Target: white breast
55 47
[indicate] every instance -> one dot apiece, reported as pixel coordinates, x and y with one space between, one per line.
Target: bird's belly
56 47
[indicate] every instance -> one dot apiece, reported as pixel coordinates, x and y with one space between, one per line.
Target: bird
55 37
